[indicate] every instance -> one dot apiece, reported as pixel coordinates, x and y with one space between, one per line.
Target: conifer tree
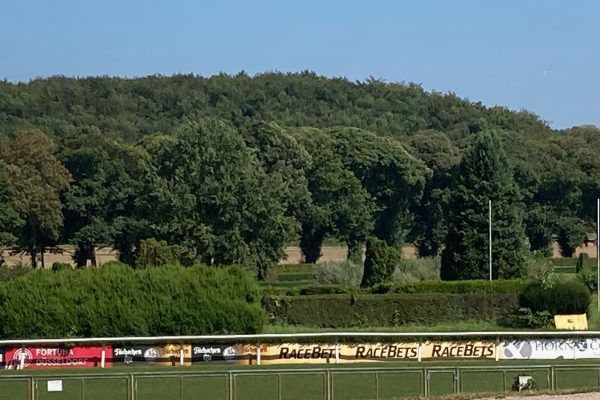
484 174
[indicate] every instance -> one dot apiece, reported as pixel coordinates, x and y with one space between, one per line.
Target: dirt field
330 253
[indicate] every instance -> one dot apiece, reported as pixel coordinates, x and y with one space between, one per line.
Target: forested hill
130 108
230 169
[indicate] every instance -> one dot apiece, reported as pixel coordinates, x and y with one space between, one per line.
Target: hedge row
514 286
116 300
343 311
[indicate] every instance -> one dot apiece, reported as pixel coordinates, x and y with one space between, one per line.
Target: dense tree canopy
229 169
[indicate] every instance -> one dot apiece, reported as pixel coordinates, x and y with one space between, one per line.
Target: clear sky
539 55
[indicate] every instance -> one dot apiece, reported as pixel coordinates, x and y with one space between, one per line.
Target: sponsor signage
230 353
55 357
160 355
458 350
1 358
551 349
576 322
289 353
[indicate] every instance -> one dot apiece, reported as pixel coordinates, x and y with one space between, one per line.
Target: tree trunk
42 257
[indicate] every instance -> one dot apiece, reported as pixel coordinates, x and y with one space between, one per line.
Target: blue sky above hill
539 55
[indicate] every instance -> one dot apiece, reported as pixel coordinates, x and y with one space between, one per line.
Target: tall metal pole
598 250
490 234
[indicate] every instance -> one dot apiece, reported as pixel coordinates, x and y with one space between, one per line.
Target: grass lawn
383 381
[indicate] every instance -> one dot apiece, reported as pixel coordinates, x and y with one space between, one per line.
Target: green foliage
59 266
346 273
116 300
525 318
565 297
340 207
420 269
155 253
211 197
484 174
570 235
38 180
539 267
10 222
381 261
590 278
351 310
583 261
513 286
7 273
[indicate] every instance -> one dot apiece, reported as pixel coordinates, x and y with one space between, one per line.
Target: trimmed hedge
458 287
513 286
342 311
565 297
116 300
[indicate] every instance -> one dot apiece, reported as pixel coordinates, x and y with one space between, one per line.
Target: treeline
230 169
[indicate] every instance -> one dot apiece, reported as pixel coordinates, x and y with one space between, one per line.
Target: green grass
387 381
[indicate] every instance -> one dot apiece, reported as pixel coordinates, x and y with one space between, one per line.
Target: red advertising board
56 357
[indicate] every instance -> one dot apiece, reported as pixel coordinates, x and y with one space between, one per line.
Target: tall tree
38 179
340 206
393 178
108 178
442 157
484 174
213 198
10 222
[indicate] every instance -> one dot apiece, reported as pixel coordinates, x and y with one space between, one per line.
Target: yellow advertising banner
459 350
293 353
576 322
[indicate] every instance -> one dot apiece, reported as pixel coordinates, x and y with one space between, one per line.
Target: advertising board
155 355
551 349
223 353
55 357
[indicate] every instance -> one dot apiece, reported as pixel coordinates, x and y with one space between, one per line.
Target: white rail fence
268 338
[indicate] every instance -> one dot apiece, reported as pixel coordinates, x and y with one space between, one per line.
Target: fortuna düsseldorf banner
55 357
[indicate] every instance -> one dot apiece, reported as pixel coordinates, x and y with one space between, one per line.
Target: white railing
258 338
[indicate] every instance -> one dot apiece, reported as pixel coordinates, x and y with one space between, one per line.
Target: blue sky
539 55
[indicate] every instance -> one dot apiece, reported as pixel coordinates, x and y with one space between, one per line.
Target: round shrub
565 297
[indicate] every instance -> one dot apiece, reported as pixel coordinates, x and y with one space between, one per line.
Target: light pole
490 236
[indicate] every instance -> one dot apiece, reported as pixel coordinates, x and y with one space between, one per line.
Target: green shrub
538 267
60 266
583 261
345 273
325 289
350 310
513 286
381 261
565 297
7 273
116 300
590 278
525 318
420 269
155 253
